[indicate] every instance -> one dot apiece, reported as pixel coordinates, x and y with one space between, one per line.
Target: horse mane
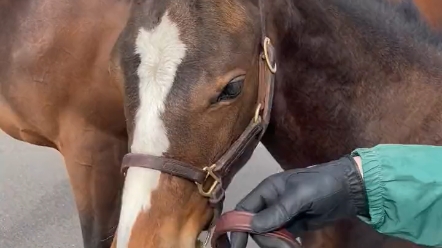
381 17
387 34
391 20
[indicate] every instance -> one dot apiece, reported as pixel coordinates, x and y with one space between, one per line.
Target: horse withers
348 73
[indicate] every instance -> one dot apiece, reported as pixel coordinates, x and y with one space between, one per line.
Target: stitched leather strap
167 165
236 221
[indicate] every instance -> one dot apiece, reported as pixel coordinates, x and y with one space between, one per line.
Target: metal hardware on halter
257 115
266 55
209 236
210 173
202 244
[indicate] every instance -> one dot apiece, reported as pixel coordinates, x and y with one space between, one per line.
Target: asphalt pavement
37 209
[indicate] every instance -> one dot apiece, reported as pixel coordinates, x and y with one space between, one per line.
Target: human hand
304 200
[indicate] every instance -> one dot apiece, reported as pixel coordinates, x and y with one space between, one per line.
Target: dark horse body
351 73
364 88
61 86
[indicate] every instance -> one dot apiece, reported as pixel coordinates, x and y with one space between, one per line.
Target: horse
61 87
312 80
67 57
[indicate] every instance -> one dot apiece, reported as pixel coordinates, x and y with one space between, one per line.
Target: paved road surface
37 208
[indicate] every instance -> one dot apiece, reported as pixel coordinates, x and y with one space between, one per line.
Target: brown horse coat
60 87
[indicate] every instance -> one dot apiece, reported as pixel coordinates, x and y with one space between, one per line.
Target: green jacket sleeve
404 190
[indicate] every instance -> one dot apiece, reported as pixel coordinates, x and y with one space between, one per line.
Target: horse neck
337 61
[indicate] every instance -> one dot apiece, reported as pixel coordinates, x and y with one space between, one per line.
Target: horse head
198 86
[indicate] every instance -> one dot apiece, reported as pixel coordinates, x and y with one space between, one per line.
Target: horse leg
342 234
327 237
93 159
351 233
361 235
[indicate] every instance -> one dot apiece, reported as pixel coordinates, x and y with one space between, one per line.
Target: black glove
304 200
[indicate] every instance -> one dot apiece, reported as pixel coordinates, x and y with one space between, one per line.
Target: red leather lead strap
236 221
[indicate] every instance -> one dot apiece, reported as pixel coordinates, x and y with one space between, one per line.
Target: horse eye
232 89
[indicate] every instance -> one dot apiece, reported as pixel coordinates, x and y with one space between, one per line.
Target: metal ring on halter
266 55
257 112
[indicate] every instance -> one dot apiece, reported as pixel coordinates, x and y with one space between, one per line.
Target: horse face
191 81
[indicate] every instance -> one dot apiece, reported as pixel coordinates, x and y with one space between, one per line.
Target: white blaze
161 52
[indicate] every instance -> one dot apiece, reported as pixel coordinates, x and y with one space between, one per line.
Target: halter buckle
216 181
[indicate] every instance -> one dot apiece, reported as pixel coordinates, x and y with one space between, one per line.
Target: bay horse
62 86
200 78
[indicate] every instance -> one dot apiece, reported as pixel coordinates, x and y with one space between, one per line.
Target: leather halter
211 180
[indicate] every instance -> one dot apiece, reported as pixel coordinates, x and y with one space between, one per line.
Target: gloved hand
304 200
